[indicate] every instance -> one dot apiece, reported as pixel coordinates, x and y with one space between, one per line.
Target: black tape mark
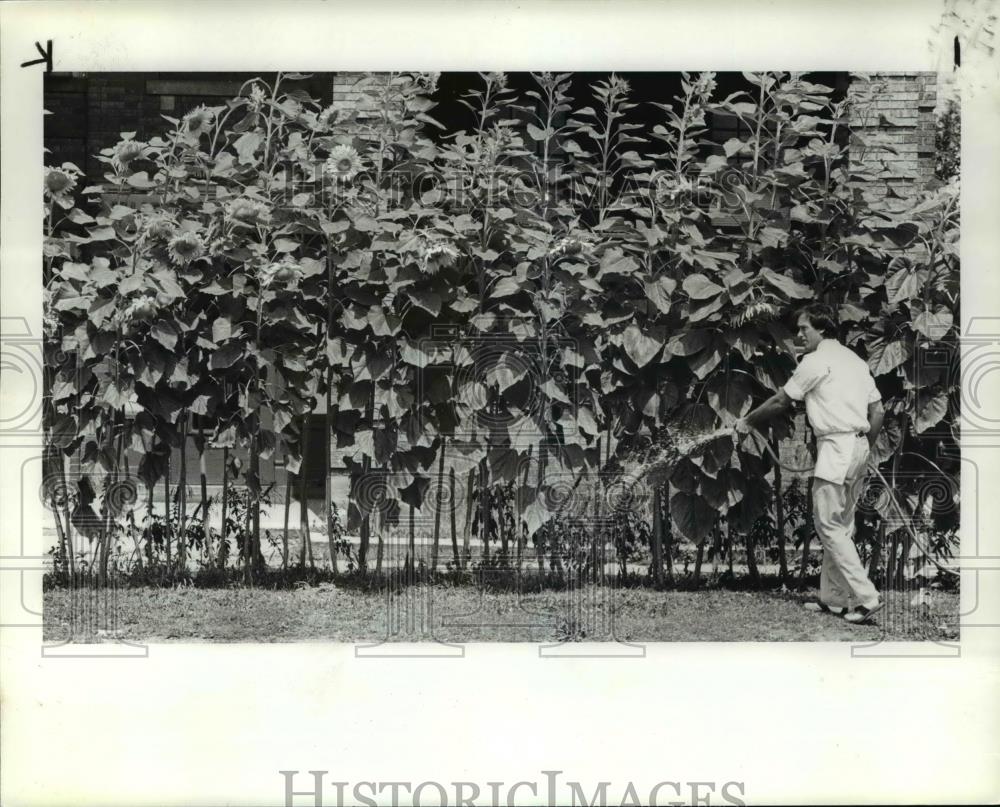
958 53
45 54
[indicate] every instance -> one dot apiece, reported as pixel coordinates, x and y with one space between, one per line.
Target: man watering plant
844 409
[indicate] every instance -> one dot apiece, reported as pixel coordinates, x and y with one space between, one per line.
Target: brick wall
895 110
90 111
345 96
67 123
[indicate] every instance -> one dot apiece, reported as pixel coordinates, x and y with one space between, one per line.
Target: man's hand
771 408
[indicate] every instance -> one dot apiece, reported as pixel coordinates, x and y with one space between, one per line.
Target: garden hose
906 520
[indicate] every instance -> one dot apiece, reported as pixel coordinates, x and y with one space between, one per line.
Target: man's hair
822 317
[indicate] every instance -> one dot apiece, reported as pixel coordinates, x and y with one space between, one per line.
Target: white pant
843 581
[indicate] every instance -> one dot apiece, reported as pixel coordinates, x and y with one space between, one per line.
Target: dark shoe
862 615
821 607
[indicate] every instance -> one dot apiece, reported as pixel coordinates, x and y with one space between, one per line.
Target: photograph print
613 357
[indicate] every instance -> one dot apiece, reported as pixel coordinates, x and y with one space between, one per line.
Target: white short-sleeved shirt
837 387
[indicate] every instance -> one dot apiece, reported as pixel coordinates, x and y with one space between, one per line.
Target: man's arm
876 414
771 408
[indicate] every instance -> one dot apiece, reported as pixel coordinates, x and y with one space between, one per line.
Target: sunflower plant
515 304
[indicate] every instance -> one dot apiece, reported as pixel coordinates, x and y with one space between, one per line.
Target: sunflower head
131 225
284 273
428 81
159 228
141 308
438 256
497 80
343 164
328 118
618 85
248 212
756 311
257 95
128 151
705 85
217 247
568 247
60 181
185 247
197 121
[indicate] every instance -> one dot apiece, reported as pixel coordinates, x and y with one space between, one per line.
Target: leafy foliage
948 143
599 282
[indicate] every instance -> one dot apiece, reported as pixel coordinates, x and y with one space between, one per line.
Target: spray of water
678 443
669 450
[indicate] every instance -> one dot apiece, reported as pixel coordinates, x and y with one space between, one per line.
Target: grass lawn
333 613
